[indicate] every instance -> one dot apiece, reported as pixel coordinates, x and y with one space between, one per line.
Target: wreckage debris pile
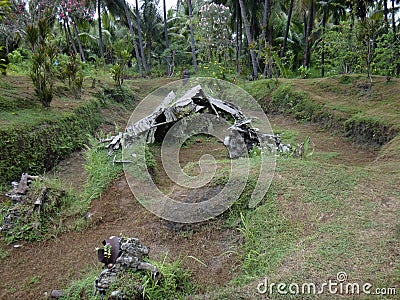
242 135
30 209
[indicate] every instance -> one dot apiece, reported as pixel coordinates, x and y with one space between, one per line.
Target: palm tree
308 31
385 14
335 9
266 14
285 37
168 57
238 37
82 54
267 8
196 70
132 32
140 39
101 47
394 15
151 26
249 40
4 4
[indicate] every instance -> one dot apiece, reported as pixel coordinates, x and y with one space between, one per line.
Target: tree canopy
220 38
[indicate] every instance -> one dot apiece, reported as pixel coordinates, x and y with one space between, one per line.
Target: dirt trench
33 269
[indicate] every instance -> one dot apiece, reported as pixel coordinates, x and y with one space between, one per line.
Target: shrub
43 58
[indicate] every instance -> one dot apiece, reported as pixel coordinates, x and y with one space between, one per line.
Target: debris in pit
243 136
119 255
30 209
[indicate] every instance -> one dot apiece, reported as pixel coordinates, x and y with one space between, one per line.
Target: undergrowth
100 168
32 224
174 283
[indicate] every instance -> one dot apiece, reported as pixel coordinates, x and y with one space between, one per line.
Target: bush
70 68
15 57
43 58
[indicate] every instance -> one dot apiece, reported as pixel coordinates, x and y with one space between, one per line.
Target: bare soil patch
34 268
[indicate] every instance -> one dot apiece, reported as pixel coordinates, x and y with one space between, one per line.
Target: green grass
316 220
100 168
288 136
336 102
174 283
270 237
345 96
74 290
29 117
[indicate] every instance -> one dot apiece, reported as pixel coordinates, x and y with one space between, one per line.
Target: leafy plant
117 73
122 52
43 58
340 49
387 53
15 57
304 72
3 62
70 67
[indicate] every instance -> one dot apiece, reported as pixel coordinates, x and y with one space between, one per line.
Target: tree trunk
196 70
79 42
100 29
307 48
237 37
168 57
148 46
67 39
249 40
71 38
385 14
393 17
240 33
143 57
132 32
352 15
285 37
267 9
323 43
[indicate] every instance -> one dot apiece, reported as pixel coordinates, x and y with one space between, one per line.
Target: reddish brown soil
36 268
63 258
